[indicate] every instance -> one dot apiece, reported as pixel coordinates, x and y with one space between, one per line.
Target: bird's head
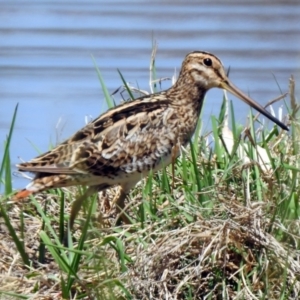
206 71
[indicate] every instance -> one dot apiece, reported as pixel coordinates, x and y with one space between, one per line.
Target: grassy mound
222 223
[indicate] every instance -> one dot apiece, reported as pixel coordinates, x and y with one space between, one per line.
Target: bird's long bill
230 87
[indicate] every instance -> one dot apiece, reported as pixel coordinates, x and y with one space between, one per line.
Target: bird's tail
43 183
22 194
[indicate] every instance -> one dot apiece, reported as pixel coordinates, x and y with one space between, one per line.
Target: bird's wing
117 140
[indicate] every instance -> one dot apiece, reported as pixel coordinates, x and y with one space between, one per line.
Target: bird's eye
207 62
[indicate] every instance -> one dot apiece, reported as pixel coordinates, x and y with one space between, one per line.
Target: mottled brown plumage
122 145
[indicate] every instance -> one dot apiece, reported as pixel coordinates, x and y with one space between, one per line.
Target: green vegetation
222 223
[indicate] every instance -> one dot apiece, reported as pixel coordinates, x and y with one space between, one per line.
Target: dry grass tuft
224 258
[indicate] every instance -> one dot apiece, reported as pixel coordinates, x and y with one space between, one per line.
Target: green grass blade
215 129
109 100
56 255
8 178
5 159
5 166
14 295
19 244
126 85
233 122
196 173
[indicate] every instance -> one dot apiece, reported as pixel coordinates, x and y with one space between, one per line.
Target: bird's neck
187 95
186 99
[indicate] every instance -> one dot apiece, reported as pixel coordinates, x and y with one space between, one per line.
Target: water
46 50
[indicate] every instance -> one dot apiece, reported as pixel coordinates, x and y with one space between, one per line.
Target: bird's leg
79 201
76 208
119 201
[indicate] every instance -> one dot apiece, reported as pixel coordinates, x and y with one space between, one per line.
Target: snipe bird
122 145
